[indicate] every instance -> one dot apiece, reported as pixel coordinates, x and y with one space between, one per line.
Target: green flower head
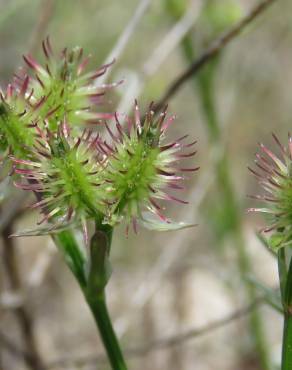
142 169
18 115
274 174
65 175
69 93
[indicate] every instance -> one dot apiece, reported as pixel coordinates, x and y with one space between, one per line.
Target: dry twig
211 52
136 81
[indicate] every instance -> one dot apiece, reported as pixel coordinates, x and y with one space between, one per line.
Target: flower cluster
74 171
274 174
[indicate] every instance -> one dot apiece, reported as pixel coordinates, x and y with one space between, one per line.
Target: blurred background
204 298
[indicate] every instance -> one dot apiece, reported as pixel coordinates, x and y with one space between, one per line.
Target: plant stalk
286 288
93 284
287 342
100 313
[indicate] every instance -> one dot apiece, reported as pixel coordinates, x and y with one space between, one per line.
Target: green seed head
17 118
69 93
65 173
274 174
141 169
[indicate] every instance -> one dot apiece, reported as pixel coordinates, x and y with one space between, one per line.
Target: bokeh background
163 284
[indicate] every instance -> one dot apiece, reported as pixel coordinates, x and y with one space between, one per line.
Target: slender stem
98 276
102 319
93 283
283 272
287 343
68 246
287 332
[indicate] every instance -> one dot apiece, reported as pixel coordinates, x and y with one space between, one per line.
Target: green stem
68 246
287 304
93 283
287 343
102 319
283 272
98 276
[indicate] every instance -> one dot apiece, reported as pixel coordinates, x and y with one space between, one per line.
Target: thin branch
173 38
126 35
167 342
211 52
179 339
165 46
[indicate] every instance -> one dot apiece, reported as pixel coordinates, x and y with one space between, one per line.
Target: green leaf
64 238
265 242
45 230
151 222
280 240
73 254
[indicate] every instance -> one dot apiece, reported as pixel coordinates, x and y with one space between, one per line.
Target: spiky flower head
18 115
65 176
142 169
69 93
274 174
